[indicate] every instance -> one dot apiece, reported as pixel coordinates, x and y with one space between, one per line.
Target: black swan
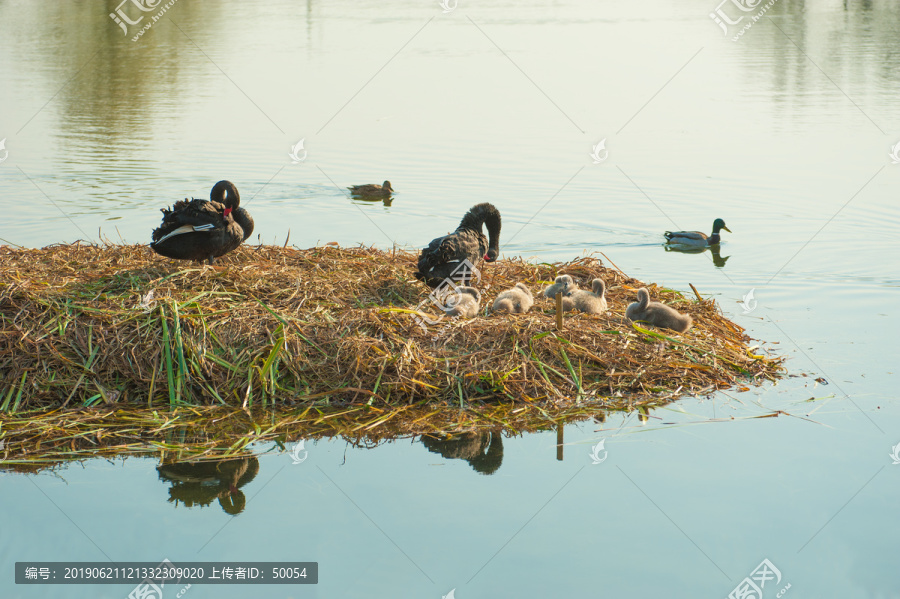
372 190
203 230
444 255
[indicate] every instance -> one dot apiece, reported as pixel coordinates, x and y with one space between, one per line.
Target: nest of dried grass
272 327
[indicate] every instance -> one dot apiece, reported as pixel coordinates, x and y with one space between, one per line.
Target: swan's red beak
227 211
488 258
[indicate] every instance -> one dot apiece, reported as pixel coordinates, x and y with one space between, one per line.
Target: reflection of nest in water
203 482
483 450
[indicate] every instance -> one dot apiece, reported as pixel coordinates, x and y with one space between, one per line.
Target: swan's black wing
196 230
444 255
197 213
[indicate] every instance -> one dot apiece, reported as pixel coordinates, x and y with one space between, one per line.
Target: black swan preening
371 190
445 254
203 230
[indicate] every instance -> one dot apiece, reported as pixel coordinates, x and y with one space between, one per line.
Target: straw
289 328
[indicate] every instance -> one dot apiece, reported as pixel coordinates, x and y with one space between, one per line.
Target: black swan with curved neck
203 229
444 255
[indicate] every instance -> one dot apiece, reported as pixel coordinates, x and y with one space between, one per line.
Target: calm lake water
785 133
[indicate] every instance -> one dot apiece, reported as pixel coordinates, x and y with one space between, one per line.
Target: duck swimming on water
444 255
203 229
372 190
696 238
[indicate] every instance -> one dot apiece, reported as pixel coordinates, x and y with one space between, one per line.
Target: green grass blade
170 375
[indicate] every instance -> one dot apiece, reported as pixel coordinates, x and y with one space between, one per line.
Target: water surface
786 134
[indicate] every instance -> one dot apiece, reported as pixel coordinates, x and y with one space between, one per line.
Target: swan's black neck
483 214
488 463
225 192
243 218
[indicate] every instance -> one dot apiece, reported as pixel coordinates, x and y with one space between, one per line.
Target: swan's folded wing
196 213
183 230
439 251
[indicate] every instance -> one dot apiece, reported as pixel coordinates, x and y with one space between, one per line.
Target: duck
203 229
372 190
657 314
696 237
517 300
463 301
445 256
562 284
590 302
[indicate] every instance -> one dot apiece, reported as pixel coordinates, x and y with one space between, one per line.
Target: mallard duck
372 190
563 284
516 300
444 255
591 302
657 314
203 230
696 237
464 301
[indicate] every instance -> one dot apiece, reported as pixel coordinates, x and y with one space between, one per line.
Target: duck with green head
696 238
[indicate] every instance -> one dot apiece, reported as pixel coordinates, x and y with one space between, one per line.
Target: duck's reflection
715 250
483 450
387 201
202 482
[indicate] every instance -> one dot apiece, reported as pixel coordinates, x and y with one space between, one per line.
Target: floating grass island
114 328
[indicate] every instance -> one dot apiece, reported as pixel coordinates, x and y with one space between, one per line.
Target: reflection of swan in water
483 450
715 250
202 482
